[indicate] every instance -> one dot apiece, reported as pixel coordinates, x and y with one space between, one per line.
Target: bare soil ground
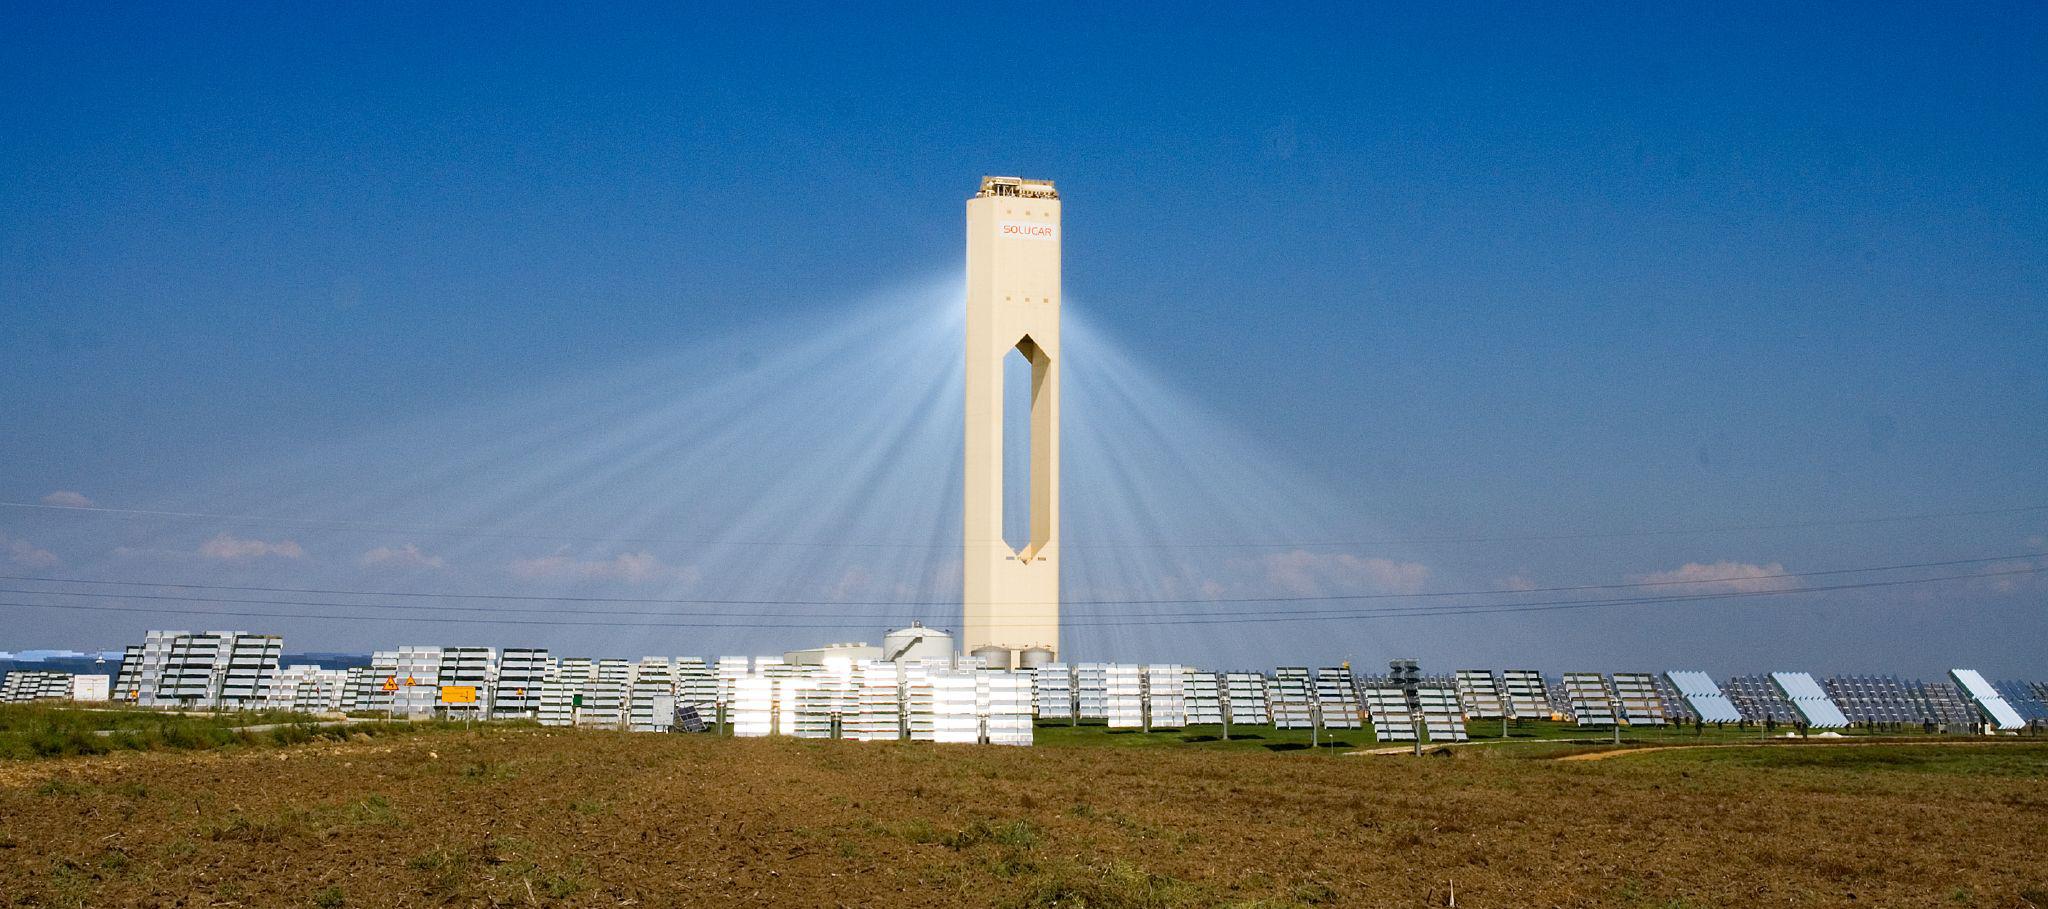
532 817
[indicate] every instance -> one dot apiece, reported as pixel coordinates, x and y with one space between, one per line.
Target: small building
853 653
91 687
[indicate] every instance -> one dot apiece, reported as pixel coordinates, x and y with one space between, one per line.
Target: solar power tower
1010 595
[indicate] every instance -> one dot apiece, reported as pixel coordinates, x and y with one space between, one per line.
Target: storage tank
992 657
1034 657
917 643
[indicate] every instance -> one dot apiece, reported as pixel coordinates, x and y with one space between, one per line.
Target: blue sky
1469 272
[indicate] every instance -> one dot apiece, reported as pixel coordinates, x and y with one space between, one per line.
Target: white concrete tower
1011 596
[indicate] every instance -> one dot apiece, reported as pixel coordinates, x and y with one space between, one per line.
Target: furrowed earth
523 816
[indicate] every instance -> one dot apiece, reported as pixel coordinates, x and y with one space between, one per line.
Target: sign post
459 694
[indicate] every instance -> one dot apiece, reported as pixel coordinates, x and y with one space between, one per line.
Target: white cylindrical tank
1034 657
992 657
917 643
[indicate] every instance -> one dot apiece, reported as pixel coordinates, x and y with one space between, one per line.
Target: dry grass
503 816
38 731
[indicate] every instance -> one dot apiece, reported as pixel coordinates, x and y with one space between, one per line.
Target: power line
1417 610
1365 614
460 531
1589 535
484 533
1283 598
1488 609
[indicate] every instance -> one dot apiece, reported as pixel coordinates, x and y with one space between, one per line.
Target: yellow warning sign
458 694
391 684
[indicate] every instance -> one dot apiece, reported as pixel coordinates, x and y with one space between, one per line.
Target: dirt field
516 817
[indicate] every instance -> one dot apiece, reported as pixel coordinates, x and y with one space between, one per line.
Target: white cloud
1517 582
632 566
235 549
1720 577
854 582
28 555
1304 573
2010 583
67 499
408 556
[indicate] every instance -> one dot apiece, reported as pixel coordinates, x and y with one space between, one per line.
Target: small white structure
90 687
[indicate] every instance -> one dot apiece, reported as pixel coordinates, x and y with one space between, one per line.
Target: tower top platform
1017 186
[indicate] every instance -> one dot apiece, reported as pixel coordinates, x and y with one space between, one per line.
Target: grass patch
1015 835
1117 886
41 731
2001 760
438 821
1524 738
445 871
375 811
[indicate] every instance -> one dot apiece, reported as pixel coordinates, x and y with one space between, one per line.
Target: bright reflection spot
813 459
